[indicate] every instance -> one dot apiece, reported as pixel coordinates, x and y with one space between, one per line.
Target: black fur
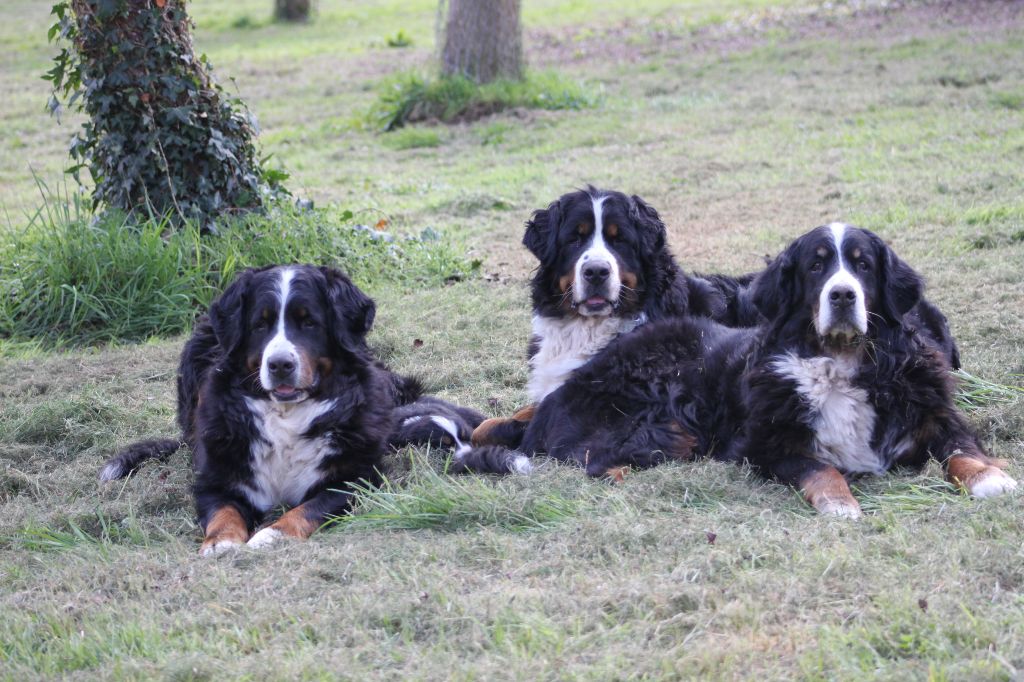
690 387
222 398
662 288
415 423
654 287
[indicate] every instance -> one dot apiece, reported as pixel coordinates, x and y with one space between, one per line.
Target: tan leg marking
829 493
225 531
293 524
482 433
979 477
616 474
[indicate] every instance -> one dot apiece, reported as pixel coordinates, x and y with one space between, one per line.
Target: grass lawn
745 122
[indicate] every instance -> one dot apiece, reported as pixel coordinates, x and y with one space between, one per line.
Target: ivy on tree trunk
162 135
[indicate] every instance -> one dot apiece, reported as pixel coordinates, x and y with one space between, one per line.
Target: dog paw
990 482
843 509
265 538
219 547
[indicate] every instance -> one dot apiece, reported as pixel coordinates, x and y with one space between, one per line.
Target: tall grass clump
71 279
411 97
432 499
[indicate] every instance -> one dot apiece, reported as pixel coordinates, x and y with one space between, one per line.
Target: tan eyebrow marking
856 253
822 251
583 229
612 229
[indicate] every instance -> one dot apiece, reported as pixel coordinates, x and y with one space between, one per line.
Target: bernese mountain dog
604 269
846 376
282 403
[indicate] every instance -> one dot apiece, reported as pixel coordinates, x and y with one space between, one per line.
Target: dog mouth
842 338
595 305
286 393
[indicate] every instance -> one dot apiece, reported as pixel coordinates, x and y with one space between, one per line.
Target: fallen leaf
381 224
922 603
711 537
417 343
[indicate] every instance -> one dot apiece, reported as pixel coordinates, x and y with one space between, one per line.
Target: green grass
70 278
411 98
429 498
742 139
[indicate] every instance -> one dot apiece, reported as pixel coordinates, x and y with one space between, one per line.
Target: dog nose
281 366
842 296
596 272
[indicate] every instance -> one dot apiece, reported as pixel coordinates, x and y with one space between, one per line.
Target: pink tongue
286 390
595 300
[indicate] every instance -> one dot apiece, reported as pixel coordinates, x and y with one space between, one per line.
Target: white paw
991 482
840 509
522 465
219 548
265 538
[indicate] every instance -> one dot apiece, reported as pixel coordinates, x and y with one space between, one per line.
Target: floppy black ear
899 286
350 308
650 227
227 313
542 231
773 291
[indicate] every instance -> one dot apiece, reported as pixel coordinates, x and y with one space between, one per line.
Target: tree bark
292 10
483 40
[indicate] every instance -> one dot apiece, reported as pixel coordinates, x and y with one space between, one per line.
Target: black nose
281 366
596 272
842 296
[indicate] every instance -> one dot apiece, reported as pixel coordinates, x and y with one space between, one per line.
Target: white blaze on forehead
597 250
845 278
279 345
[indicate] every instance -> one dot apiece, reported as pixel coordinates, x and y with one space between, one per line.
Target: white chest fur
285 465
565 344
842 418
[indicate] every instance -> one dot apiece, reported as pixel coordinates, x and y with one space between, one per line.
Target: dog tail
405 390
490 459
132 457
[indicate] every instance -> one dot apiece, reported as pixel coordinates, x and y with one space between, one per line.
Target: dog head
291 326
840 281
594 247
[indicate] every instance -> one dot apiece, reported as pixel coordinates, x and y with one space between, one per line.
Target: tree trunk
291 10
483 40
162 136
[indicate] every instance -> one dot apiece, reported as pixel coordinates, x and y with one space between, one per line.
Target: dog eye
309 323
863 266
261 326
817 267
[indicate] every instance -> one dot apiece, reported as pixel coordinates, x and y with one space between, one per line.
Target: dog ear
774 289
350 308
899 286
650 228
542 231
227 313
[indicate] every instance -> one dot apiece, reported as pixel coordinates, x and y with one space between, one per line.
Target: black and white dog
282 403
843 378
604 269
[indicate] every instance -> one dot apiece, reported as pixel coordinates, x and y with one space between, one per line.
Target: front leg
978 474
225 525
300 522
822 485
